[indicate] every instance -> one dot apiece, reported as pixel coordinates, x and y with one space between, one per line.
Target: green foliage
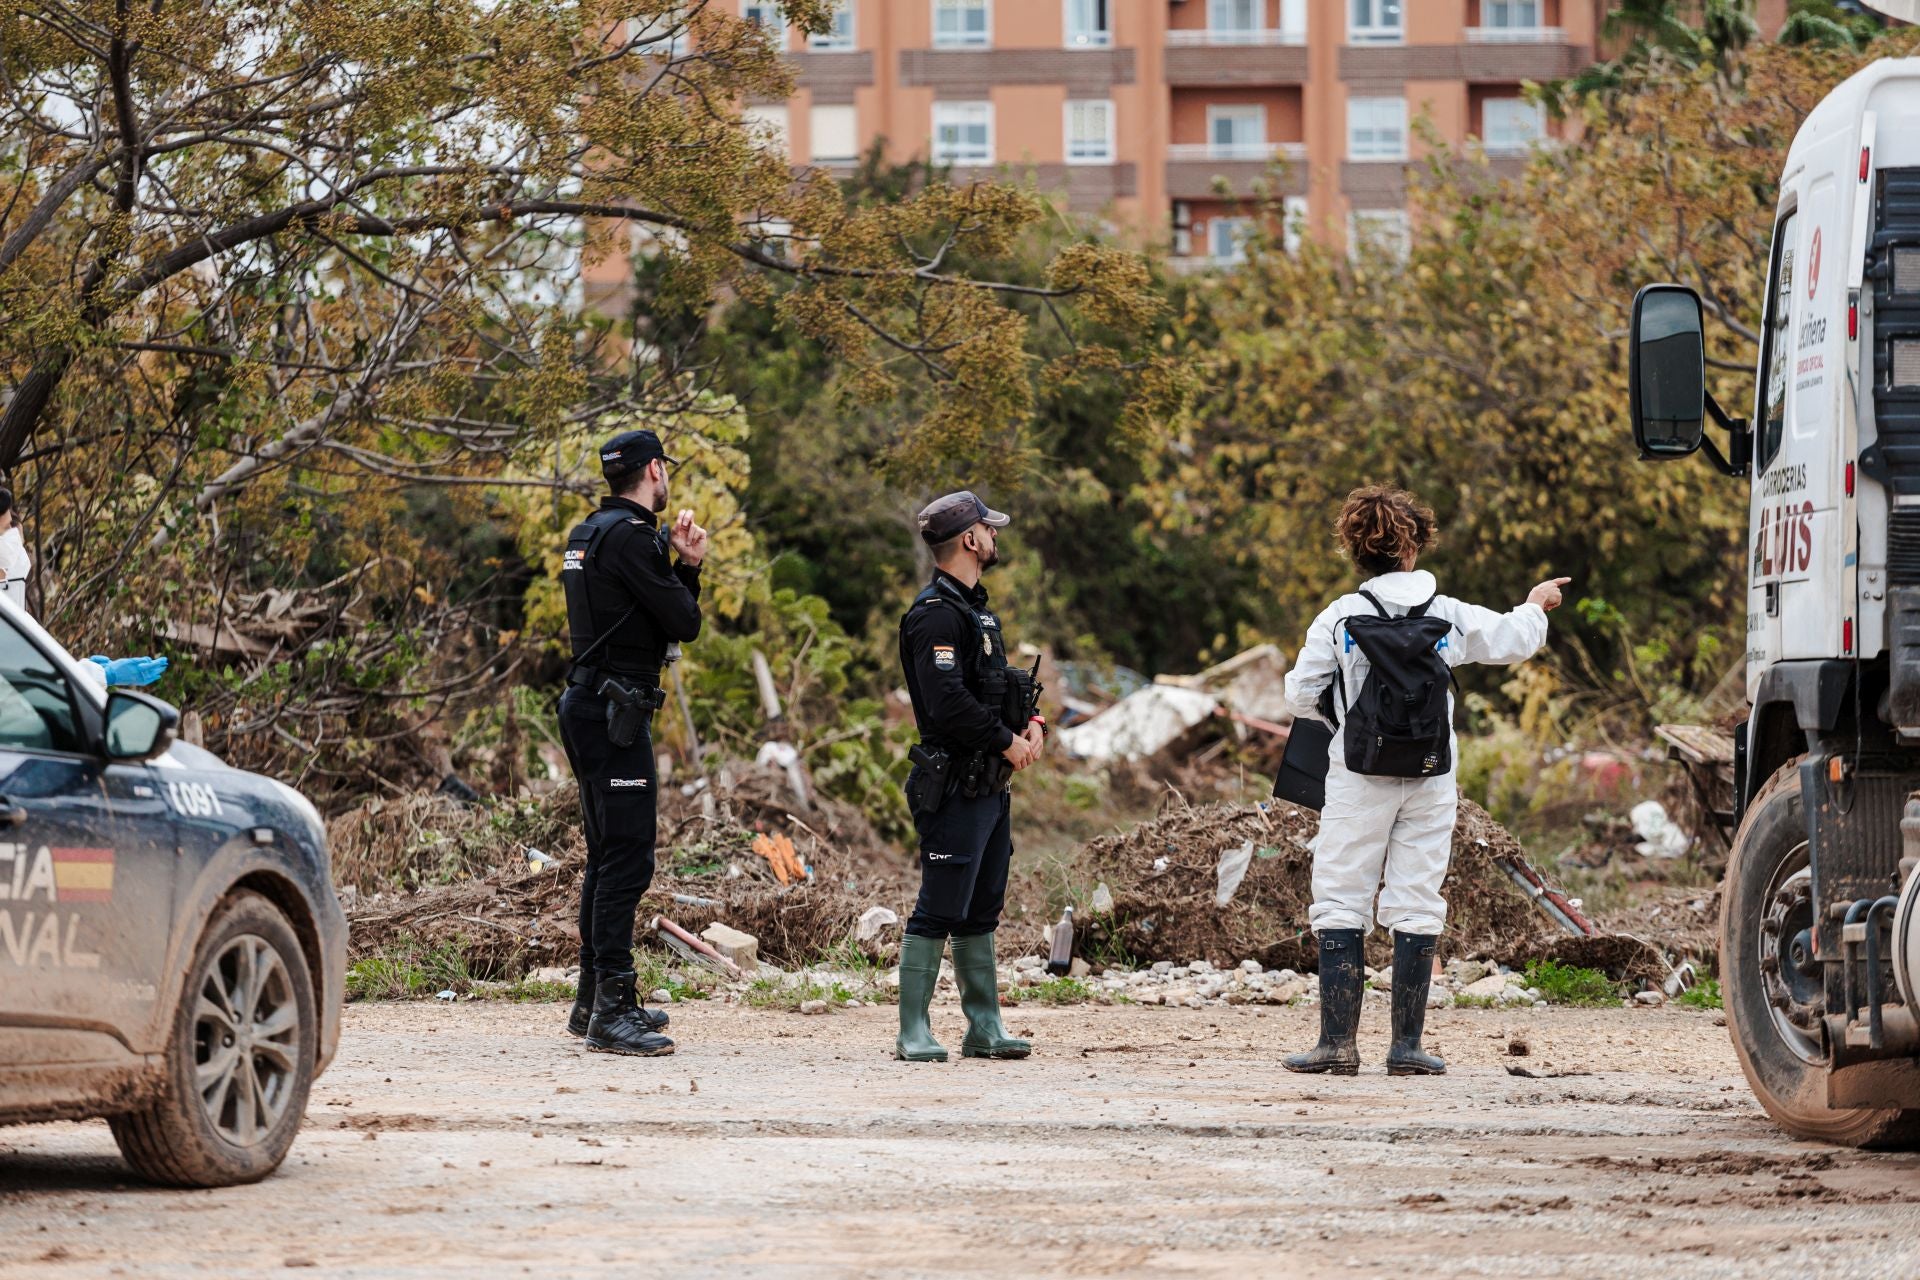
409 972
656 972
1054 991
1704 994
1569 984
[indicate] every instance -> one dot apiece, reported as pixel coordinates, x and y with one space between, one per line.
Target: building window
1229 21
839 36
1090 131
960 24
1237 132
1293 223
1510 126
764 14
1379 231
834 137
1375 22
1227 238
665 35
1376 129
767 126
963 133
1293 21
1510 14
1089 24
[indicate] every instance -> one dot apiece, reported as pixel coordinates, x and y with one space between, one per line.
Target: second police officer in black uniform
629 607
978 727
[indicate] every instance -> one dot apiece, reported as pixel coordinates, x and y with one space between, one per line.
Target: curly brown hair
1381 526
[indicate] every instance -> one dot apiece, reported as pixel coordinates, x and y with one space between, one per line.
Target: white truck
1820 931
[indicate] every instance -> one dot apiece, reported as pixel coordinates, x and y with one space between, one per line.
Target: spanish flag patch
83 875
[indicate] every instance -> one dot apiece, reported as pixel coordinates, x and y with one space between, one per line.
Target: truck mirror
138 727
1667 372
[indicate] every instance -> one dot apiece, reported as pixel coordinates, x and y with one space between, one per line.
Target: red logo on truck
1813 263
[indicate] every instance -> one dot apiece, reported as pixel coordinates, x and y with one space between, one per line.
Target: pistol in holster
629 708
930 781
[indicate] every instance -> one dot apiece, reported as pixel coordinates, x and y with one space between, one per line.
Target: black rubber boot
1412 976
618 1024
919 974
1341 979
978 977
582 1013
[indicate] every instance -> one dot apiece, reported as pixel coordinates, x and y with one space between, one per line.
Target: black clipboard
1302 779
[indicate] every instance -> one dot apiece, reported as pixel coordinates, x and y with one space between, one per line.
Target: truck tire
1766 902
240 1060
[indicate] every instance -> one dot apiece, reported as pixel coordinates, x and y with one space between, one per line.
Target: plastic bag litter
1659 837
1232 869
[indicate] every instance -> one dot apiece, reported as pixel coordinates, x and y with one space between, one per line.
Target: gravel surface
478 1140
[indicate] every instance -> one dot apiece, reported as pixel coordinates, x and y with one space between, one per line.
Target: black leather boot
618 1024
1341 980
582 1013
1412 976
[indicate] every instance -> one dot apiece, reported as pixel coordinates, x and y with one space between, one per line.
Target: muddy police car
172 955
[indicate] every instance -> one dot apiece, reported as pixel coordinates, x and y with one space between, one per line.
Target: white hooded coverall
1403 826
15 565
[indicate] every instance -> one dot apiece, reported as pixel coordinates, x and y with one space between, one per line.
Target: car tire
240 1060
1783 1061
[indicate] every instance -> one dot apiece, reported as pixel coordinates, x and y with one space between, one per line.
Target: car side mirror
1667 372
138 727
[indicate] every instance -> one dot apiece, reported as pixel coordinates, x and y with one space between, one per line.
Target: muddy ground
476 1140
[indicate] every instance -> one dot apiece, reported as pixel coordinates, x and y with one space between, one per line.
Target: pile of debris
1241 697
1231 884
501 885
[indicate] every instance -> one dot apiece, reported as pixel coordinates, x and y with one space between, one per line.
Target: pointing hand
1547 594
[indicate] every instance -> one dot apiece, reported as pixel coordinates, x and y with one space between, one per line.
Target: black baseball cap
953 515
629 451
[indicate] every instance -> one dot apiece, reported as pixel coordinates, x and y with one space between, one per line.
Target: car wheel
1774 987
240 1060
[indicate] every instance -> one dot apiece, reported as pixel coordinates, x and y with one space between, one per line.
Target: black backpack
1398 726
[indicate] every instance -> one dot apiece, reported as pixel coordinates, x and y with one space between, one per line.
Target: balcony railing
1237 151
1516 35
1187 37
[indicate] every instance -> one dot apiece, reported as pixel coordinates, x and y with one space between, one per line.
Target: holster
629 708
930 781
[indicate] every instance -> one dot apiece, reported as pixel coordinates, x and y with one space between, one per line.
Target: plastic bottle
1060 961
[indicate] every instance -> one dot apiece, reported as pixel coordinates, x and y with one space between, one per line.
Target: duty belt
589 678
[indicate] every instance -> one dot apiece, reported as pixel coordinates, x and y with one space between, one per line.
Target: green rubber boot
919 971
979 979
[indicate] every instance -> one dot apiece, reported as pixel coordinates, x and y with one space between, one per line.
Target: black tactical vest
598 606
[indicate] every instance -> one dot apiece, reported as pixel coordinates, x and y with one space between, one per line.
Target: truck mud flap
1889 1083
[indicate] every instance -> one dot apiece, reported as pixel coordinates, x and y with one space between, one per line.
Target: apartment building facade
1138 110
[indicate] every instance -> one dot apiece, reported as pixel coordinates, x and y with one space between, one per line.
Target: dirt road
475 1140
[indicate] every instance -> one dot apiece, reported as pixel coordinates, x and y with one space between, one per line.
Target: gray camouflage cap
953 515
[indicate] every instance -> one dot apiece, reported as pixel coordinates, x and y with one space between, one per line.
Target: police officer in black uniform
629 607
977 730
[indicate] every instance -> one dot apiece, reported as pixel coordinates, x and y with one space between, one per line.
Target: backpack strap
1380 608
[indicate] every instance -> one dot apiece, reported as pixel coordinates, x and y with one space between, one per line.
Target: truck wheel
240 1059
1773 989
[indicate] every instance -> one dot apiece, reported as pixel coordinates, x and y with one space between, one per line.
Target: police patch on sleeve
943 656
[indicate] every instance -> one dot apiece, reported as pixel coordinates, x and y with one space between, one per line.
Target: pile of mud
1163 876
430 872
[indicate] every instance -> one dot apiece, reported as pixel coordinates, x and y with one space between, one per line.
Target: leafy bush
1702 995
1569 984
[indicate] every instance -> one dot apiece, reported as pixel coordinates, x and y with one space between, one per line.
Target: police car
172 955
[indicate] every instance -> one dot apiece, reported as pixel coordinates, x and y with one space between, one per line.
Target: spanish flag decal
83 875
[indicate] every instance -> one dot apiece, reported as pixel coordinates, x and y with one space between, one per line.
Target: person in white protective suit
15 563
1401 827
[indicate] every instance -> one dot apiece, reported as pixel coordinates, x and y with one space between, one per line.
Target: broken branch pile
1166 880
501 885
